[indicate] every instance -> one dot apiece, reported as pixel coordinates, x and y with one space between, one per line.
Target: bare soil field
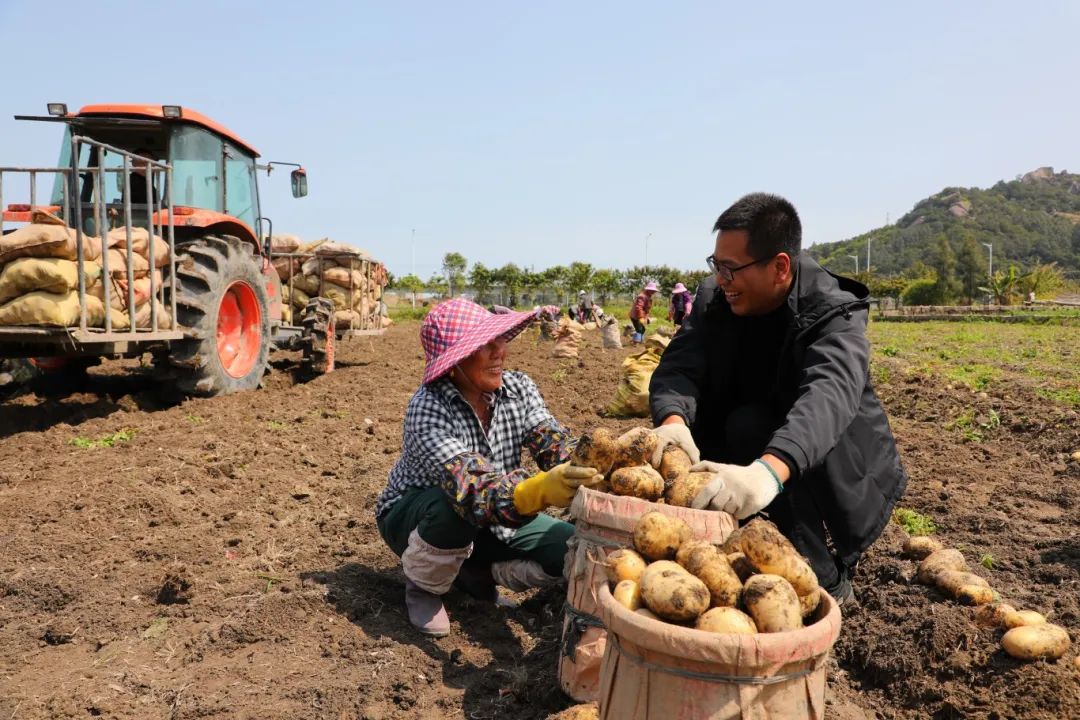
219 558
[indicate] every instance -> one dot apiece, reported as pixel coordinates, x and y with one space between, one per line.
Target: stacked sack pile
345 275
39 276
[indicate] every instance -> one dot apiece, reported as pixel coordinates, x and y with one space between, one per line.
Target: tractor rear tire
320 334
222 302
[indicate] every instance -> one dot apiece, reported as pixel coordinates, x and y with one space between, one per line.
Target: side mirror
299 183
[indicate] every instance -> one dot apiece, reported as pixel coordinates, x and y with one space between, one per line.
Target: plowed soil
219 558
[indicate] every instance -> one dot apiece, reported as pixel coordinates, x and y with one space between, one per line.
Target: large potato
1032 642
773 554
772 602
658 537
938 561
674 594
704 561
726 620
624 564
639 481
674 464
682 490
595 449
993 614
809 603
635 447
628 594
1022 618
741 565
975 595
920 546
950 581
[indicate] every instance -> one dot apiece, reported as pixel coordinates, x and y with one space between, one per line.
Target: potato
772 602
635 447
733 543
741 565
660 566
1034 642
674 594
595 449
919 546
809 603
585 711
726 620
628 594
949 581
658 537
773 554
940 560
624 564
674 464
1021 618
993 614
975 595
639 481
704 561
1076 660
683 489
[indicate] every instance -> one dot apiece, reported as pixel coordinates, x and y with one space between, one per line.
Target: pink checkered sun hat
457 328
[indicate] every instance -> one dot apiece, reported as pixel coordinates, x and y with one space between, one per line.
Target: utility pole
856 259
413 271
869 239
647 250
990 271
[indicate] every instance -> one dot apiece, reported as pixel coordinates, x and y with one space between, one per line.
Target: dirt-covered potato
1034 642
950 581
920 546
938 561
703 560
639 481
683 489
726 620
595 449
660 566
741 565
773 554
658 537
585 711
772 602
809 603
628 594
975 595
1022 618
993 615
673 593
674 463
624 564
635 447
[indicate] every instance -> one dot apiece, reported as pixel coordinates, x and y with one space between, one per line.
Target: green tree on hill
453 265
947 287
970 272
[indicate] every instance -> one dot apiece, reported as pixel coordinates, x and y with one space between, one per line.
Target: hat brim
506 325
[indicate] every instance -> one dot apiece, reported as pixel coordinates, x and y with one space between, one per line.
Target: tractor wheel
320 334
221 301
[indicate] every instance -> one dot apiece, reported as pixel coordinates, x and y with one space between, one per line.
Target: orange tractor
171 176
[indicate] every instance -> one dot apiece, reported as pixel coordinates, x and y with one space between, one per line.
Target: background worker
639 311
769 377
681 302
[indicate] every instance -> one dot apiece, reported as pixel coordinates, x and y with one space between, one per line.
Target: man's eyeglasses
727 274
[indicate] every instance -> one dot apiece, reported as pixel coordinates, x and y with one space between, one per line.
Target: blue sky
544 133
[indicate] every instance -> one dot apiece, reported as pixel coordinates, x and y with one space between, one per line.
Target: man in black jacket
769 377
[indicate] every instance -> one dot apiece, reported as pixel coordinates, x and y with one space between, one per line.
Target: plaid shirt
642 306
446 446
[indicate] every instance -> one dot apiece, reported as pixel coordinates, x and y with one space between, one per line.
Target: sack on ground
632 395
567 339
51 309
610 335
53 275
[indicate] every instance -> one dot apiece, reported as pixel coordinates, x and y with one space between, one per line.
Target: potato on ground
682 490
772 602
920 546
1023 618
635 447
639 481
658 537
726 620
949 581
704 561
993 614
773 554
595 449
624 564
674 594
1034 642
939 561
628 594
674 463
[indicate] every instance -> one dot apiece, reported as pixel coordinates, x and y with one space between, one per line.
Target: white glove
678 435
741 490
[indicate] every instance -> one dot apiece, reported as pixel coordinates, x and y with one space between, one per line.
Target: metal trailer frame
83 340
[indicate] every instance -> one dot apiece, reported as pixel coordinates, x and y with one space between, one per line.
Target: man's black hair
771 220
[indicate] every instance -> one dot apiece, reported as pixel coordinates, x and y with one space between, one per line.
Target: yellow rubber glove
556 487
